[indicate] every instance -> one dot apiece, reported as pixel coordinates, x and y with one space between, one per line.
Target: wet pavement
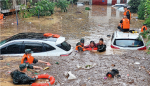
91 25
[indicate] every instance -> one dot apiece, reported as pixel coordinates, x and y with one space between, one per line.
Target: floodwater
75 24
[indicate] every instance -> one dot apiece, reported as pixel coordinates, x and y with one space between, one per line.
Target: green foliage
134 5
87 8
147 9
147 21
63 4
145 33
6 4
147 13
43 8
24 13
141 9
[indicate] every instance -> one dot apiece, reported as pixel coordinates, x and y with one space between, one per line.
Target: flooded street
78 23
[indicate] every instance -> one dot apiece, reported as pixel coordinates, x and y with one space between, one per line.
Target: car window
128 42
65 46
13 48
35 47
48 47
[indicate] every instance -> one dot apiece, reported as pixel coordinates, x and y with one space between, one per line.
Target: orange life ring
45 76
91 48
51 35
48 34
56 36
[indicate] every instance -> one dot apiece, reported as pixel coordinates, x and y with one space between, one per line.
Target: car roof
125 35
34 36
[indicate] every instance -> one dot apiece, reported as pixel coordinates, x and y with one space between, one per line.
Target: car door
11 49
36 47
50 50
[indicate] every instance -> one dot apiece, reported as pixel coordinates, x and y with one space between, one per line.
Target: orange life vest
1 16
125 13
29 59
125 24
142 29
81 47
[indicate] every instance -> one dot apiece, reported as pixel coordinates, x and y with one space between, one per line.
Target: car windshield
128 42
65 46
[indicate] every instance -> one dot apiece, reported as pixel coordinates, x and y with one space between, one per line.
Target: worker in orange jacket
80 45
144 28
127 13
2 16
125 24
28 59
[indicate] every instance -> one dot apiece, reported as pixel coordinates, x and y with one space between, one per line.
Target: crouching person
28 59
19 76
101 46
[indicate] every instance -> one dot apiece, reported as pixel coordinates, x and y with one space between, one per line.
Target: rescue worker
2 16
144 28
80 45
91 45
101 46
125 24
28 59
127 13
19 77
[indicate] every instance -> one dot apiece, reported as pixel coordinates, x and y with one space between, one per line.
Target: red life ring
91 48
45 76
48 34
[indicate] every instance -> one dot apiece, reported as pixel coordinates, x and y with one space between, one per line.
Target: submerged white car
127 40
40 44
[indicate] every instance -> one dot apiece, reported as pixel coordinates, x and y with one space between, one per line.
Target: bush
134 5
24 13
147 13
63 4
43 8
141 10
147 22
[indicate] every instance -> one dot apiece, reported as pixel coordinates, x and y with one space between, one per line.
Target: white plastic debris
79 4
78 66
71 76
137 63
89 66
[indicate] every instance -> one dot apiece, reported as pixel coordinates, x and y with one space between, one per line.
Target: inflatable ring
91 48
44 76
48 34
56 36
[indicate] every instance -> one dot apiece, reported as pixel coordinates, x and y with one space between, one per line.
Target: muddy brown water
75 24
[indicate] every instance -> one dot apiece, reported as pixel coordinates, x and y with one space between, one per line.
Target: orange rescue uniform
144 28
29 59
125 13
125 24
77 47
1 16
